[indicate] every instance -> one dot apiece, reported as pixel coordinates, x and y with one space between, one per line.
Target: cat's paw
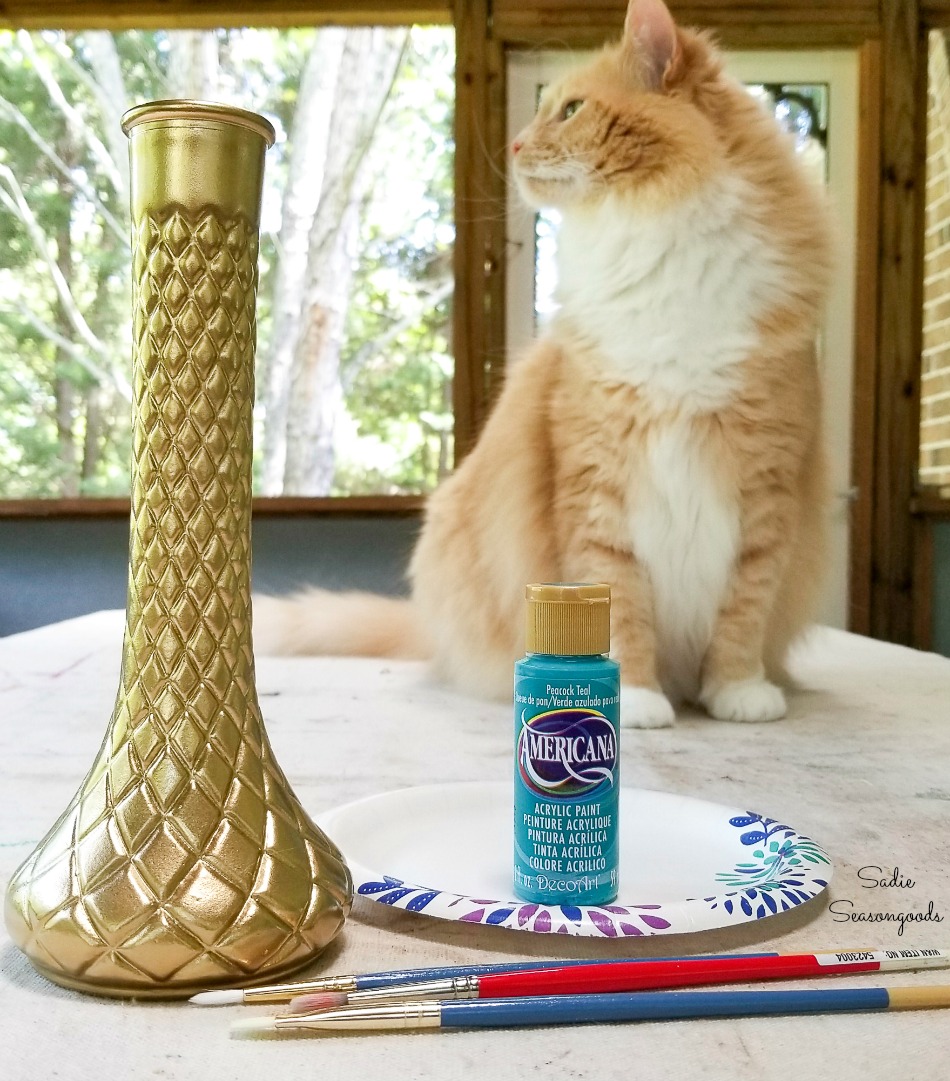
641 707
749 700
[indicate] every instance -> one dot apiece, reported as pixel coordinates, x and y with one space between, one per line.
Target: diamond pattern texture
184 860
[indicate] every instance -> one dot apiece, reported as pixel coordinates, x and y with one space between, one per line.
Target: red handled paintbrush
642 975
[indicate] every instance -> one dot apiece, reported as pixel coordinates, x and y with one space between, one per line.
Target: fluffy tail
327 623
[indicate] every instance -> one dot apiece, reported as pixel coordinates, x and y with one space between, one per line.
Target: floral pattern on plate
784 870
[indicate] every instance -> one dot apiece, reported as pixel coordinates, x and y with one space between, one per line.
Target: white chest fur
669 300
684 524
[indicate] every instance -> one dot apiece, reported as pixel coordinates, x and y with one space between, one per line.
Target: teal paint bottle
567 749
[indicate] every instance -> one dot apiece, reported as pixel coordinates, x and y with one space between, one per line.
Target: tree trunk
307 140
92 441
113 101
316 390
64 389
193 64
111 301
368 66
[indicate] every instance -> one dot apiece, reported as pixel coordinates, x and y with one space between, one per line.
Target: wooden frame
479 325
865 336
890 573
156 14
899 322
354 506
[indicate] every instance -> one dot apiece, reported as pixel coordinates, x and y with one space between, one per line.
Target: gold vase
185 860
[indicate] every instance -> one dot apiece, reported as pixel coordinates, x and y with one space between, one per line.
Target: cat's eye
570 109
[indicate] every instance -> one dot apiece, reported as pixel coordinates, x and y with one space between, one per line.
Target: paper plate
686 864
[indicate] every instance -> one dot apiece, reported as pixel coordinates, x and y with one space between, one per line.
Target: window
357 236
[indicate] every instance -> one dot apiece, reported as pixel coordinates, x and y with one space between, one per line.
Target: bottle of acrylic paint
567 749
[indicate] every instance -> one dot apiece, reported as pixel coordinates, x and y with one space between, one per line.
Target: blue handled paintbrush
595 1009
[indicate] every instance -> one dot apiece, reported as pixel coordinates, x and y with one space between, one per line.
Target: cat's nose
516 146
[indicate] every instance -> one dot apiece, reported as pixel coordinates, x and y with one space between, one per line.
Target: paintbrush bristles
323 1001
252 1026
217 998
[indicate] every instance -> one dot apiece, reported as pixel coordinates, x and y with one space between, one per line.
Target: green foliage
64 419
49 399
397 368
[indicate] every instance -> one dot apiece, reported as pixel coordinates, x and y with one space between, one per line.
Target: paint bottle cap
567 618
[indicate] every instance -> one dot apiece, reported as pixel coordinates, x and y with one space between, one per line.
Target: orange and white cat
663 434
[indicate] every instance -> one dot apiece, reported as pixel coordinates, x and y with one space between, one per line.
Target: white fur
750 700
685 531
641 707
669 298
670 301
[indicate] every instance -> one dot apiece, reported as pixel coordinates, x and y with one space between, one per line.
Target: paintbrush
641 975
285 992
594 1009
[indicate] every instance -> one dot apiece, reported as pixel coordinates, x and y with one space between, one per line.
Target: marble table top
861 764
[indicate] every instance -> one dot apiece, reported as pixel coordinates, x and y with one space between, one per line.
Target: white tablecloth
862 764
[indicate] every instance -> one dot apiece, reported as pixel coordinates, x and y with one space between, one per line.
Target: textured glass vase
185 861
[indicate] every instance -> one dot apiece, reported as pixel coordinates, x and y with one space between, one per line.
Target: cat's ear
650 34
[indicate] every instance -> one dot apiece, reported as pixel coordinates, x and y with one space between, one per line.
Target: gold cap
567 618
